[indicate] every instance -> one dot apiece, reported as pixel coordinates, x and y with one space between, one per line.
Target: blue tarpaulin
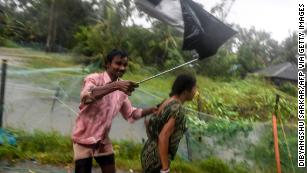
6 137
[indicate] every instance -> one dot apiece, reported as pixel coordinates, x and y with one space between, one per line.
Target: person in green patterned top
166 128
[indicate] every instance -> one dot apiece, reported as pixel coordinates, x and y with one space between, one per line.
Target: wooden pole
2 91
275 135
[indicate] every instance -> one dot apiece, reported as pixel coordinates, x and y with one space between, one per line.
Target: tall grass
53 148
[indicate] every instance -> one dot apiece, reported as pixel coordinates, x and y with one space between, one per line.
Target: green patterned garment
150 157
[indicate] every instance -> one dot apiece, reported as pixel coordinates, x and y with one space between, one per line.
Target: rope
286 141
204 114
25 87
146 92
39 71
20 86
64 104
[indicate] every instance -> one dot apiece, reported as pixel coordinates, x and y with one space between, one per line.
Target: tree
289 49
50 44
65 18
222 9
56 20
256 49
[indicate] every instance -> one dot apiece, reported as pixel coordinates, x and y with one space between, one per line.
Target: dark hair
183 82
113 53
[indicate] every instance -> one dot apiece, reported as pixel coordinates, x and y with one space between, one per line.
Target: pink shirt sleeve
88 83
130 113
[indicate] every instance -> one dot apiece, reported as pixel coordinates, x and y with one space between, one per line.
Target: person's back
166 128
150 157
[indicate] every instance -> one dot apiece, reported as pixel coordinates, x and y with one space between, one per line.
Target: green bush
134 67
289 88
240 168
128 150
215 165
10 152
51 148
180 166
7 43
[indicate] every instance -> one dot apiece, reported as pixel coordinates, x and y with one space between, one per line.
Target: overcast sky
278 17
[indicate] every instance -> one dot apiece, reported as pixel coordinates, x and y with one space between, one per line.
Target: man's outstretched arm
96 92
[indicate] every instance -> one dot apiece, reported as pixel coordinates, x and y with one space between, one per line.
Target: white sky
278 17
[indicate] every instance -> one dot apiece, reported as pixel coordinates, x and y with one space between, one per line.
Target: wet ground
33 167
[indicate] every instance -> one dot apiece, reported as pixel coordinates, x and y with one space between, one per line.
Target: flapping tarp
202 31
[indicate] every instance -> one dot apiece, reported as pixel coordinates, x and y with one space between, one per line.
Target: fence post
56 95
2 90
275 135
187 136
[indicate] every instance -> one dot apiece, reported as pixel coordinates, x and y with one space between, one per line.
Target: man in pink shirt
103 96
